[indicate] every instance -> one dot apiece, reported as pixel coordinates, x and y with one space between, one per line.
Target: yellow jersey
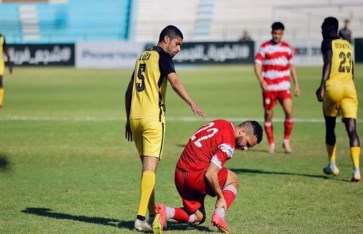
2 62
149 82
340 97
342 59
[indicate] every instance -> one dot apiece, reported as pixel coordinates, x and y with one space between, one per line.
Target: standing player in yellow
338 94
145 110
3 50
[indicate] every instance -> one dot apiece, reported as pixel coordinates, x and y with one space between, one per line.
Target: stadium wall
76 21
123 54
42 54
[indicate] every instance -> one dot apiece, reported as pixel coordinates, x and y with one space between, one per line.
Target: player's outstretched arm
179 88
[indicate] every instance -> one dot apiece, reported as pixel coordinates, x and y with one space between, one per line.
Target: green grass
65 166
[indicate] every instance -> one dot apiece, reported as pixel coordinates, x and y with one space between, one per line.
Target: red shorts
193 188
270 98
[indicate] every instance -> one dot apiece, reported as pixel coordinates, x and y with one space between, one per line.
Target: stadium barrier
107 55
197 53
122 54
42 54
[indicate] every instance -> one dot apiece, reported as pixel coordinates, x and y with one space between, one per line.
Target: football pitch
65 166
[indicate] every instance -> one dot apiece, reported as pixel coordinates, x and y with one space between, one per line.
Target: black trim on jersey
162 139
166 66
160 81
166 63
162 107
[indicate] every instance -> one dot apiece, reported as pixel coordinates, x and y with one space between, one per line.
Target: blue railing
77 20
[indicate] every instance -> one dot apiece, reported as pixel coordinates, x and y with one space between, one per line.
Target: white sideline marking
180 119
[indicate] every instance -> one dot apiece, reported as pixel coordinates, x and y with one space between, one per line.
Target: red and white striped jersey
275 60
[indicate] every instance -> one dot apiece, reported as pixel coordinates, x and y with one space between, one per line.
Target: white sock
221 212
170 212
191 218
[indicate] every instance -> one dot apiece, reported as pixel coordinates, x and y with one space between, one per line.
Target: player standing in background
200 171
273 65
145 110
338 94
345 33
3 50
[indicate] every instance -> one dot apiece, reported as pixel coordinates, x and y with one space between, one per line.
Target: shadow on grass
175 226
257 171
46 212
4 162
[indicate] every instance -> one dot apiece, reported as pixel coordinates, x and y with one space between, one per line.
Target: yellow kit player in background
3 50
145 112
338 94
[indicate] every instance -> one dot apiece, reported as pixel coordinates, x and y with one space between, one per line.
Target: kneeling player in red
200 171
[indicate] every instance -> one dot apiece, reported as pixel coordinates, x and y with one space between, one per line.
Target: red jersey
275 60
213 142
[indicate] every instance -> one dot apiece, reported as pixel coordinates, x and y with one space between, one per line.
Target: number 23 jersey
340 96
213 142
342 59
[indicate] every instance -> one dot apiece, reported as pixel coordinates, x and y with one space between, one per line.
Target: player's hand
320 94
263 85
221 203
128 133
297 91
197 111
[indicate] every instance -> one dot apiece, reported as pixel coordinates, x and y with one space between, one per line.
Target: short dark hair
330 24
170 31
277 26
256 129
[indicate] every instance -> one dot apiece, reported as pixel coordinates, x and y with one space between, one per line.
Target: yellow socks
151 206
355 154
331 152
1 96
146 191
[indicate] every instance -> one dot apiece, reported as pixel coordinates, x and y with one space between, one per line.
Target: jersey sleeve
224 152
260 55
225 147
166 64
